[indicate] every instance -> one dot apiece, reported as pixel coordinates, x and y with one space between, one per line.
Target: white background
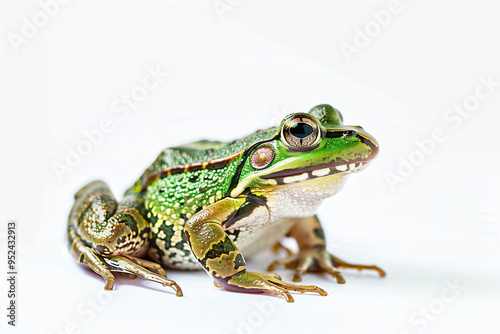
230 73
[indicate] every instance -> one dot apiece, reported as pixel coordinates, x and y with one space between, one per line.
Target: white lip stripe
296 178
321 172
341 168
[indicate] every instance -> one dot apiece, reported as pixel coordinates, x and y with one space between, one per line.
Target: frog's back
204 151
182 181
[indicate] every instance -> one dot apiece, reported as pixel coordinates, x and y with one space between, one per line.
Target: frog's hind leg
110 236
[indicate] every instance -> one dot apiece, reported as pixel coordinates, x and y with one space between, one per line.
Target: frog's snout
367 139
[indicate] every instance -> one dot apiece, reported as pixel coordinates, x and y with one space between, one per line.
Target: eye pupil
301 130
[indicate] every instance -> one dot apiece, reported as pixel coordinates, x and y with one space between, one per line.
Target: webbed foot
126 265
318 260
251 282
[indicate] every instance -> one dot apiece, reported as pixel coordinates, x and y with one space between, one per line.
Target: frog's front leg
312 254
220 257
108 236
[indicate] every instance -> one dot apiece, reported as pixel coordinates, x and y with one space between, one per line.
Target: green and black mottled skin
198 204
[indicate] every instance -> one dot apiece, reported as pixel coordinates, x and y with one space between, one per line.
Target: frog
207 204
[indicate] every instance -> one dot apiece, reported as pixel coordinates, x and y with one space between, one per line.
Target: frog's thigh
99 228
94 197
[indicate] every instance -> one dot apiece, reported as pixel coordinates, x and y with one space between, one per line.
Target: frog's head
314 148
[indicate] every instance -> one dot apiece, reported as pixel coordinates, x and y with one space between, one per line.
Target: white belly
255 238
297 200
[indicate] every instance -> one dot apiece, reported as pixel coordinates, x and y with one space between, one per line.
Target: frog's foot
319 260
126 265
274 275
342 264
314 259
148 264
251 282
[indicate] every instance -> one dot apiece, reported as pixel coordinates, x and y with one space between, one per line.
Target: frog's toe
110 283
258 283
301 262
148 264
342 264
298 287
176 287
164 281
303 265
127 265
315 259
273 275
332 271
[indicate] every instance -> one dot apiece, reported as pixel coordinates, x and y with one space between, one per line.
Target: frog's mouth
313 172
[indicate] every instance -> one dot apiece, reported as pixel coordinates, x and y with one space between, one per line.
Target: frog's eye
301 132
262 157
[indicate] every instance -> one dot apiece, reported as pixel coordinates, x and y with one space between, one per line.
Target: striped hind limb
220 257
109 236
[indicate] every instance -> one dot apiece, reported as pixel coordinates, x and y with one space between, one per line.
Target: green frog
207 204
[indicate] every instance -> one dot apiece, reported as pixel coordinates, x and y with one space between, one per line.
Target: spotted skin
172 201
203 205
109 236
